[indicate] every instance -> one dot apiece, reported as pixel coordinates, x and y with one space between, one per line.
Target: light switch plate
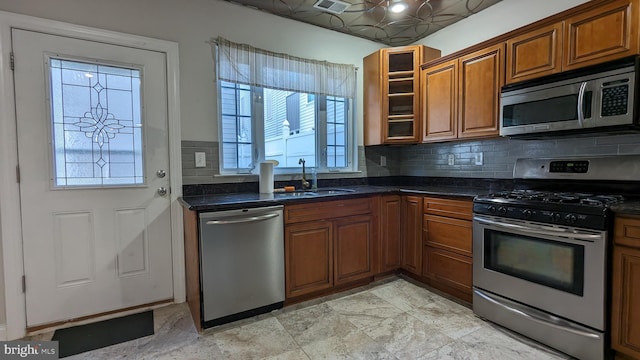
201 160
383 160
477 158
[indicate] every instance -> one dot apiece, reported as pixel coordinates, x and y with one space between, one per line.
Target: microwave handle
583 86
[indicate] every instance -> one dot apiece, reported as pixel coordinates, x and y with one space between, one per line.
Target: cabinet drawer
627 231
448 268
460 209
447 233
326 210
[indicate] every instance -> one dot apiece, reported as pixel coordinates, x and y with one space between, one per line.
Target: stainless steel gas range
541 257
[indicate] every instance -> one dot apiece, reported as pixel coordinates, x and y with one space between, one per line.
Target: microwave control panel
569 166
615 100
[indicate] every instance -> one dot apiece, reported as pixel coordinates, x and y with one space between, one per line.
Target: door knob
161 173
162 191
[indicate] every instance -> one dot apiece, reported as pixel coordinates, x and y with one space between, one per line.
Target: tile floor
394 319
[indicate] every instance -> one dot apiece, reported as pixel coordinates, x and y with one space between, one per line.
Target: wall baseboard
3 332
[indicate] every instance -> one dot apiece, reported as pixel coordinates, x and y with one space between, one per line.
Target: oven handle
580 101
547 321
540 231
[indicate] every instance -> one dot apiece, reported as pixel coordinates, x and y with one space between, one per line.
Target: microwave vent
332 6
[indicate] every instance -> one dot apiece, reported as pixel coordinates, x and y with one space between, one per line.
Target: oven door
557 269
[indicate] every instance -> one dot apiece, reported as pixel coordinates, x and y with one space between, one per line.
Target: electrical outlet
383 160
477 158
451 159
201 160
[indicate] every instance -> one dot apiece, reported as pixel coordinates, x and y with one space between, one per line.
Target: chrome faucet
305 183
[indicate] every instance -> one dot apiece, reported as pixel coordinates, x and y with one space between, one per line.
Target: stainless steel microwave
600 98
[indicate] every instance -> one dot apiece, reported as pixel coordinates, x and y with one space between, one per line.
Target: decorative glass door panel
96 124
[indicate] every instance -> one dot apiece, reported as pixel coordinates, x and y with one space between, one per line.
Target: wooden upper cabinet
536 53
481 76
605 33
440 101
392 94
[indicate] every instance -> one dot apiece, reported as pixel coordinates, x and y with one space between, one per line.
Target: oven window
549 263
561 108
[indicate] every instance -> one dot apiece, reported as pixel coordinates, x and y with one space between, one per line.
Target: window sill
276 175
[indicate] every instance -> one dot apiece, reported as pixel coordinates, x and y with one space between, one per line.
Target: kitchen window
278 107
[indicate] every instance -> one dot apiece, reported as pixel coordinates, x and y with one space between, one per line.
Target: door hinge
24 284
12 61
18 174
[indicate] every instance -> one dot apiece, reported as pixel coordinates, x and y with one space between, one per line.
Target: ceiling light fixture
397 6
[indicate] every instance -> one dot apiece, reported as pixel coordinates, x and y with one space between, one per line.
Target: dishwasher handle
241 220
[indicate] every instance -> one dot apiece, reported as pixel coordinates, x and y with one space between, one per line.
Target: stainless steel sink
334 191
297 193
311 193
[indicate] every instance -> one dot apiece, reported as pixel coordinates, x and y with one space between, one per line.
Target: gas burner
601 200
558 197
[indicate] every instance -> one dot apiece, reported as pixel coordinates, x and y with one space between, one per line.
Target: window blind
245 64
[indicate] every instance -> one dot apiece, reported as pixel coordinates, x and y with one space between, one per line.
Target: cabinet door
353 247
534 54
480 78
308 257
625 321
605 33
440 101
625 312
390 218
412 234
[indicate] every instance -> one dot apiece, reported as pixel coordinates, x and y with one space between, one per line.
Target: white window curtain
245 64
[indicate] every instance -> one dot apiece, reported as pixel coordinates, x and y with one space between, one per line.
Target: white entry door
94 160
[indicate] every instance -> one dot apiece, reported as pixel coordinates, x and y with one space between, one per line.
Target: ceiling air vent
332 6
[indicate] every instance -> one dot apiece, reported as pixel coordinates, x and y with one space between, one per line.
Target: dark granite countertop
219 202
627 208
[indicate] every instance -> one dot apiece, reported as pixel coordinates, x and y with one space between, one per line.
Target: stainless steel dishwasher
241 263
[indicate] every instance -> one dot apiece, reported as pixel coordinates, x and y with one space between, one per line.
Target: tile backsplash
498 155
497 158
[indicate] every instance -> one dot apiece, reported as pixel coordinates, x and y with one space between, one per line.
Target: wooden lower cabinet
625 312
448 268
308 257
323 252
412 234
447 260
353 249
390 250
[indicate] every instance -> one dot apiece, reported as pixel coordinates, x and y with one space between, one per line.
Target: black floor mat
79 339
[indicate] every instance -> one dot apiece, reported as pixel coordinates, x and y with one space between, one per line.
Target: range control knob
556 216
502 210
527 213
492 209
571 218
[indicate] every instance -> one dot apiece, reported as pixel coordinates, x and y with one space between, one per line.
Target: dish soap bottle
314 179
